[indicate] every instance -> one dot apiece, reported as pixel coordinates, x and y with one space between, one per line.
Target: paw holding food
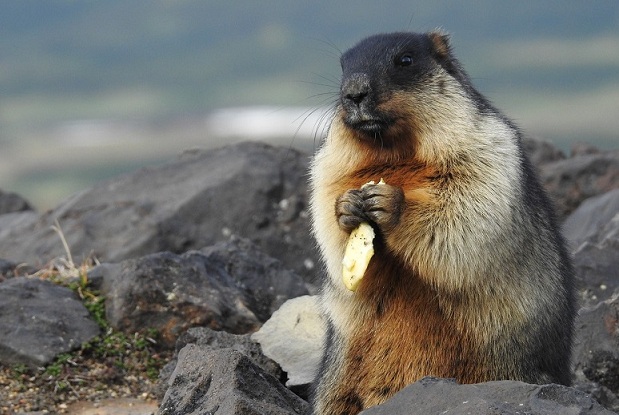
358 253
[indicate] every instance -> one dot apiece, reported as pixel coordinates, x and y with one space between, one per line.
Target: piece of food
359 252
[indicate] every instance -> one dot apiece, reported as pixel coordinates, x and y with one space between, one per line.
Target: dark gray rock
592 221
12 202
583 149
266 281
7 269
573 180
225 381
10 226
541 152
597 270
444 396
231 286
596 352
250 189
203 336
215 340
593 233
96 275
39 320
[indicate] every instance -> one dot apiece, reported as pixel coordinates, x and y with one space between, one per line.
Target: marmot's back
470 278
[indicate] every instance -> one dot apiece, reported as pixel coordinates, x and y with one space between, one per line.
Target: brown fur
380 340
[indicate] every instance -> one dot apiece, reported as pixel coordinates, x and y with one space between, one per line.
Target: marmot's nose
355 88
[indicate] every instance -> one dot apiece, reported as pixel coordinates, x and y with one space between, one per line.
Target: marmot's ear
440 42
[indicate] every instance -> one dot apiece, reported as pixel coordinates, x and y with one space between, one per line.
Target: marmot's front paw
383 204
380 204
349 210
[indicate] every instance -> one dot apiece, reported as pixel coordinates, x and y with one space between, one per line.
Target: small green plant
19 370
55 369
96 306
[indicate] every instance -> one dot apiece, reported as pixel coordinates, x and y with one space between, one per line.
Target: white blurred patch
265 123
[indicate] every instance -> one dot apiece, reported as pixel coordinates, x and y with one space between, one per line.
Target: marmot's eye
404 60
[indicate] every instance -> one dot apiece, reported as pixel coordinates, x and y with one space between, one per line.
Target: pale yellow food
358 253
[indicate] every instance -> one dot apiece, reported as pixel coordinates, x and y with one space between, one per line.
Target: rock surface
11 202
596 352
39 320
252 190
225 381
10 224
444 396
541 152
7 269
203 336
593 219
215 340
231 286
593 232
266 282
583 149
573 180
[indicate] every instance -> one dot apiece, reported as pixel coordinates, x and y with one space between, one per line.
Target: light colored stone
293 337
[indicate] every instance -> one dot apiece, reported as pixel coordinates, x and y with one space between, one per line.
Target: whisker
332 49
334 80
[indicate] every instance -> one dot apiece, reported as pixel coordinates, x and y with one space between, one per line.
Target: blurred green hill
553 66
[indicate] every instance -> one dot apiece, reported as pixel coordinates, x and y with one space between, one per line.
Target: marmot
470 278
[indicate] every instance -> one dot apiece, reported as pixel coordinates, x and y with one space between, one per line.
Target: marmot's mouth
370 126
365 122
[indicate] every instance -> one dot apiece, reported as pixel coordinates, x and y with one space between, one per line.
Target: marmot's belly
391 352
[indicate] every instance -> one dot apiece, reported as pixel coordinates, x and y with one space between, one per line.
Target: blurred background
91 89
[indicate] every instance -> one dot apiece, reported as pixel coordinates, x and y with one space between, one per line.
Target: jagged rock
207 338
541 152
250 189
7 269
12 202
593 233
573 180
203 336
583 149
592 219
293 337
39 320
225 381
231 286
265 280
171 293
10 226
445 396
596 352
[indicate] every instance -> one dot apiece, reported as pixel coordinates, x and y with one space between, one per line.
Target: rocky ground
150 286
61 388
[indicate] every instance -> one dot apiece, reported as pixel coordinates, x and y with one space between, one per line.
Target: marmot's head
396 87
